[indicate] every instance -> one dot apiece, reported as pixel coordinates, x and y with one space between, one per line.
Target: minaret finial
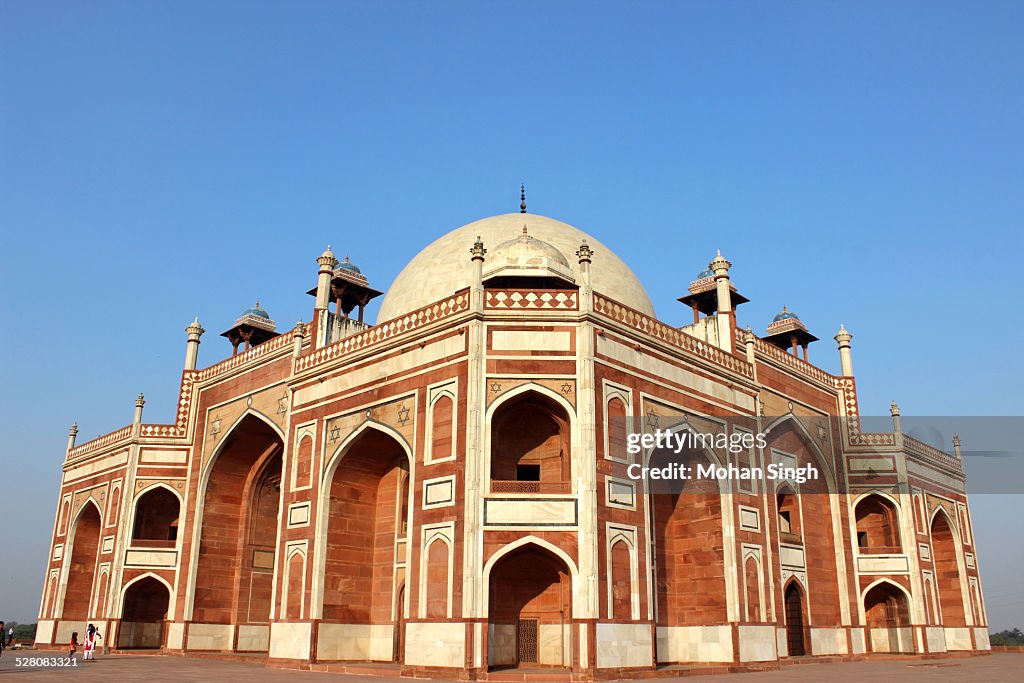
522 198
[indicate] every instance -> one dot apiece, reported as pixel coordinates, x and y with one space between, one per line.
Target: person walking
10 637
92 635
73 645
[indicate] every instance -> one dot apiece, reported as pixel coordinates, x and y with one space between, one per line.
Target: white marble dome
443 267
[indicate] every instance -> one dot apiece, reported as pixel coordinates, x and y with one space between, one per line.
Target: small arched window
156 517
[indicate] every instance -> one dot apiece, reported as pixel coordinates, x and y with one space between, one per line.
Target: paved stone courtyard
127 668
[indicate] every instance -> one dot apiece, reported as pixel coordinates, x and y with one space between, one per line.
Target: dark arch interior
530 601
368 520
877 525
947 573
156 517
145 611
887 612
82 570
530 446
236 551
796 640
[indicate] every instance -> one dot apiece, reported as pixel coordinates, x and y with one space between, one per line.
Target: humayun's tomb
443 491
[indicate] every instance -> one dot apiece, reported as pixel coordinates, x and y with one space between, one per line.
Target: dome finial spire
522 198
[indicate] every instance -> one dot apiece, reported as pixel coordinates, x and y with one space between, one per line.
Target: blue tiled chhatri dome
349 266
257 311
786 314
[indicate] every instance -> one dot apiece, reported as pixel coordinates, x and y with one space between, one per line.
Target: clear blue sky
860 162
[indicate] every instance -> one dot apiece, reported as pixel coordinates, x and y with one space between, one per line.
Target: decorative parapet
926 452
124 434
802 367
536 299
390 329
267 348
670 335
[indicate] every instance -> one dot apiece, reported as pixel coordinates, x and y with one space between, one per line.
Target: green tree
25 632
1011 636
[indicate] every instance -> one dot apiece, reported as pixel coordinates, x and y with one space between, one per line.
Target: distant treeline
1011 636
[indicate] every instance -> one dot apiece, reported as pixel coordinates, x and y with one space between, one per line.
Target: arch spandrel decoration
266 403
497 387
98 494
825 460
175 486
397 414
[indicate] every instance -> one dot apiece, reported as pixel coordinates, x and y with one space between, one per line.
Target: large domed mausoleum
465 489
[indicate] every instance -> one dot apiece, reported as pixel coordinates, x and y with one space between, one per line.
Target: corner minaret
72 435
720 267
477 254
585 255
195 331
845 358
327 263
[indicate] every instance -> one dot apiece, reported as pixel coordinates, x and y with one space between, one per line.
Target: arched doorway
82 569
367 529
887 613
239 528
530 446
947 572
796 637
877 525
530 610
144 615
156 518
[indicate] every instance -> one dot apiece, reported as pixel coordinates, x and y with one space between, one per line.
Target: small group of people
92 638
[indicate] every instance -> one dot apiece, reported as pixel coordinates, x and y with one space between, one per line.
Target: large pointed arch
820 535
370 610
81 563
947 561
231 610
683 516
